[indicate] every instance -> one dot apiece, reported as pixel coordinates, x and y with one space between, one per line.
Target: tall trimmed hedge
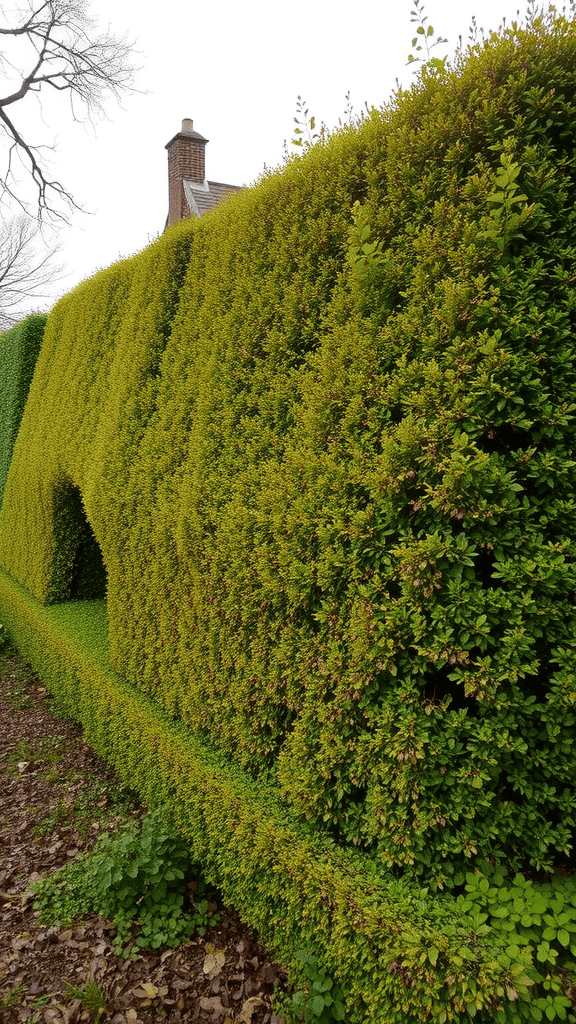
19 348
336 510
401 957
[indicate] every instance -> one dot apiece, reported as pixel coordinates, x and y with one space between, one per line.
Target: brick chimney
185 163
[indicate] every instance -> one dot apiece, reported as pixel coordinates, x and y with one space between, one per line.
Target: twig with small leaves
422 42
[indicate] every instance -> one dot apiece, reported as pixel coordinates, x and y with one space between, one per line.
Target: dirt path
56 797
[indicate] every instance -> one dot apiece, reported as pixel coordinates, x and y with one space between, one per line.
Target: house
189 192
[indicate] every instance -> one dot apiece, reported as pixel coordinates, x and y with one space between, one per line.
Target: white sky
236 69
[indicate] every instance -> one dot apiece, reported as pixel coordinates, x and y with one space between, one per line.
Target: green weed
17 695
284 1007
134 877
97 803
59 815
66 895
535 924
41 1001
12 998
49 750
91 996
204 917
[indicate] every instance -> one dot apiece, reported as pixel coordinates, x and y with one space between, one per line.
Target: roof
204 196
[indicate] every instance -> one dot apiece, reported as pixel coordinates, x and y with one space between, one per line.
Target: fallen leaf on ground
249 1009
32 879
213 1003
145 990
214 962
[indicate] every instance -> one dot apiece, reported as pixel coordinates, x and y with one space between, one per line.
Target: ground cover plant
58 974
539 917
317 469
136 878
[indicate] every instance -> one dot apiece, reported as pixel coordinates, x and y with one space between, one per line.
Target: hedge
334 499
401 956
19 348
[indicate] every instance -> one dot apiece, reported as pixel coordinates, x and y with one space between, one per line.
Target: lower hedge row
400 955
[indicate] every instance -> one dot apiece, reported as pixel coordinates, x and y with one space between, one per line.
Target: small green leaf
317 1005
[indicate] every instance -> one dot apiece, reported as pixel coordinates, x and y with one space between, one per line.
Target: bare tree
27 267
54 46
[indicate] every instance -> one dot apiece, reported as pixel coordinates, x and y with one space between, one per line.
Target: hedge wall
19 348
400 956
336 510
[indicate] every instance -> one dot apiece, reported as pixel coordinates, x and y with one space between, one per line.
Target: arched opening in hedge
79 567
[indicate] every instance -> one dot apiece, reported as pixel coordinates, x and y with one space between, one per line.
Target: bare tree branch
27 267
63 52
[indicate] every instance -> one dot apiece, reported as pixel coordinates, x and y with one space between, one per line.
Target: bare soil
56 797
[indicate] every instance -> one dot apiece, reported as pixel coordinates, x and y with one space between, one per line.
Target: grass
12 998
91 996
49 749
41 1001
17 695
83 805
94 806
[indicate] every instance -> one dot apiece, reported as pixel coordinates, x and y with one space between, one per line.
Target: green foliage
65 896
534 920
134 877
19 348
91 996
322 1001
305 134
204 916
77 810
364 253
504 222
386 942
336 510
81 570
139 876
283 1006
49 749
58 816
422 42
12 998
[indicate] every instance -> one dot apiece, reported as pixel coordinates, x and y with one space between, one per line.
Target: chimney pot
187 124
